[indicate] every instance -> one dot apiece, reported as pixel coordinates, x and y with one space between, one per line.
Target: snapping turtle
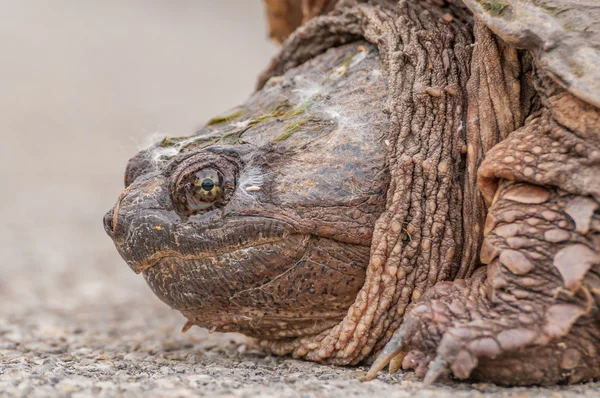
415 183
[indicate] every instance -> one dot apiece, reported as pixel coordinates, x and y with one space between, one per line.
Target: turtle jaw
211 287
154 234
283 287
222 252
257 275
289 287
146 229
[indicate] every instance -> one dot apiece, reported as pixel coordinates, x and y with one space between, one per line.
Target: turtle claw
186 327
438 367
423 343
392 349
396 363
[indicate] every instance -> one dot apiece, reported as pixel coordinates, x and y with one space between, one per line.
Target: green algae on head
225 118
494 7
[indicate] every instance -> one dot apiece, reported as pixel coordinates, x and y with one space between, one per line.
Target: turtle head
262 222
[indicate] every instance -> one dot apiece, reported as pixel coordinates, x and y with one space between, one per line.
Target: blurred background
83 85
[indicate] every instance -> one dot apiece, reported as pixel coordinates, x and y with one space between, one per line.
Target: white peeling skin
242 124
160 155
305 89
250 182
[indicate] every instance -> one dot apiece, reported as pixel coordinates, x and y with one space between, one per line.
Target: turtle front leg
532 315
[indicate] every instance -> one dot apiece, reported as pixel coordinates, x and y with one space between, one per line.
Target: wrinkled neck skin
418 239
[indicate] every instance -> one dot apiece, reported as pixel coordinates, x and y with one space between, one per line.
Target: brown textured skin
484 260
531 316
417 241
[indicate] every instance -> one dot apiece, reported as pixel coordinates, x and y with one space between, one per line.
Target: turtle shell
564 36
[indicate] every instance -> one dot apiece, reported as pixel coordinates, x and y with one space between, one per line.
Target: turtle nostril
108 223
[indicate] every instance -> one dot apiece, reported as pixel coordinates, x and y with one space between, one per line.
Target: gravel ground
83 85
112 349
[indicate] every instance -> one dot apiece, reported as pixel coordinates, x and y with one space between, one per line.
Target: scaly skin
531 316
462 220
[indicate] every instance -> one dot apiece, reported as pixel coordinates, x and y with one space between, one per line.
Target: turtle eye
199 188
203 189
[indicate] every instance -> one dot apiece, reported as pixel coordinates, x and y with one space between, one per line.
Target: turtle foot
529 317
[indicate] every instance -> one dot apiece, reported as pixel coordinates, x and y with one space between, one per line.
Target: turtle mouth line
163 255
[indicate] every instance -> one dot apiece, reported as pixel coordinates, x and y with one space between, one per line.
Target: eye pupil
207 184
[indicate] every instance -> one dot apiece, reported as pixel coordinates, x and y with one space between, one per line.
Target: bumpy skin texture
418 240
469 242
531 316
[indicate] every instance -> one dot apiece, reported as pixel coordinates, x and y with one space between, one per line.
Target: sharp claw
396 363
391 349
187 326
438 367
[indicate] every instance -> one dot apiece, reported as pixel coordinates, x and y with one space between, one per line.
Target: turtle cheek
297 286
311 296
205 287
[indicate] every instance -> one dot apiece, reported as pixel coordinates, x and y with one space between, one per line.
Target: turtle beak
108 223
110 218
141 222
